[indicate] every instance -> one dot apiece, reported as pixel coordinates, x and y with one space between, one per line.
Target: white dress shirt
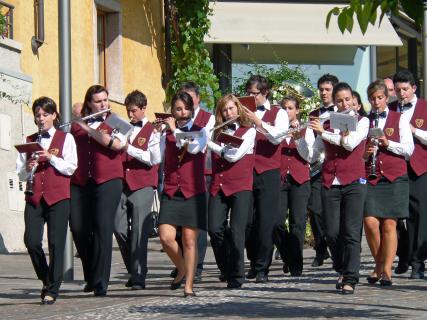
274 133
234 154
152 155
349 142
305 144
406 145
408 113
66 165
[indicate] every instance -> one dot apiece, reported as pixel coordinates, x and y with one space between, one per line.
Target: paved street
309 296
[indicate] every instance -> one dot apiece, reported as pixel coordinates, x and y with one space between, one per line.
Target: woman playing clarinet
388 188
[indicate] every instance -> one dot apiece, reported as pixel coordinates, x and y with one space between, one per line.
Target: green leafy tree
190 58
3 22
366 12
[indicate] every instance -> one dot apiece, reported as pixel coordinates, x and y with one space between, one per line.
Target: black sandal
346 290
372 280
338 285
48 300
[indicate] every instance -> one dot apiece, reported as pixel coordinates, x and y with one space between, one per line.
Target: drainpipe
38 40
64 47
168 55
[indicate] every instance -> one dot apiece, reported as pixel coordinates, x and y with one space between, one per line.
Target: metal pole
64 45
424 76
373 62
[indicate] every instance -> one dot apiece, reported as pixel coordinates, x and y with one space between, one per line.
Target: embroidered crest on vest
141 141
389 131
419 122
54 151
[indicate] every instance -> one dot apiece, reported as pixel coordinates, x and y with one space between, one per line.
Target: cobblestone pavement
312 295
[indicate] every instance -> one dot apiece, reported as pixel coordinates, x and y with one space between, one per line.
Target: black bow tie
380 115
45 135
137 124
95 119
231 126
260 108
405 106
324 109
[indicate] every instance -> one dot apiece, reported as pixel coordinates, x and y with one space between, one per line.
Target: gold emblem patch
419 122
389 131
141 141
54 151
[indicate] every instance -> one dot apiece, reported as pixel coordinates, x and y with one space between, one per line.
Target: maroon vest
138 175
418 160
48 182
267 155
389 164
232 177
96 161
187 174
345 165
292 162
201 121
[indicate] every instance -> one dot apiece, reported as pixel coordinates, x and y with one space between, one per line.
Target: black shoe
339 284
372 280
401 268
48 300
100 292
87 288
234 285
138 286
347 290
317 261
128 283
222 277
174 273
43 292
176 285
386 282
189 294
261 277
198 276
277 255
296 273
251 274
285 268
416 275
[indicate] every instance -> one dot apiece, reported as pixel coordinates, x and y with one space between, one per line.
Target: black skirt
181 212
388 199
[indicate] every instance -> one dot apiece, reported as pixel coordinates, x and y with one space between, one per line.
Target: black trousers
131 230
290 240
93 209
315 211
259 233
417 221
228 240
343 215
56 216
402 242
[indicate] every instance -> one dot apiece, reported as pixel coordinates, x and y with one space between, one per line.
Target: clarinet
30 181
373 165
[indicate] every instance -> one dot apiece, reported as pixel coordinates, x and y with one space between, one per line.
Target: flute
93 115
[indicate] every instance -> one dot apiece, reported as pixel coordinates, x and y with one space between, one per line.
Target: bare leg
189 242
167 234
388 244
373 237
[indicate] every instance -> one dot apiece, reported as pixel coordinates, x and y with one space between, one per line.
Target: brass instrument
30 181
373 161
93 115
300 92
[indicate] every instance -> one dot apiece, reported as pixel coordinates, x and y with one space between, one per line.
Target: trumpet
30 181
93 115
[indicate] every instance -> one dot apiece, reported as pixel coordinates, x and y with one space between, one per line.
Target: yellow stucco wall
142 49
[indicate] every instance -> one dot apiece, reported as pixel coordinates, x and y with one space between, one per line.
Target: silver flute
93 115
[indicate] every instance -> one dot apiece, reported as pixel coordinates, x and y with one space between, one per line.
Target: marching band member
140 166
344 189
414 110
325 85
388 189
183 201
231 190
295 190
96 187
48 201
270 123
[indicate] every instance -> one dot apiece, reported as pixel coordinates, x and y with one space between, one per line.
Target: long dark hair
47 105
95 89
186 99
